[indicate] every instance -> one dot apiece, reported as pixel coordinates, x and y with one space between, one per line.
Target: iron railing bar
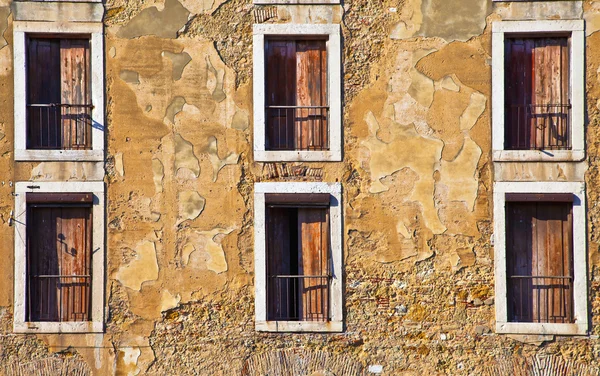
295 107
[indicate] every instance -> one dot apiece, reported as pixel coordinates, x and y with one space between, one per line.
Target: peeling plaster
175 107
169 301
180 61
143 268
185 157
460 175
158 173
191 204
241 120
216 162
473 111
4 13
209 253
151 21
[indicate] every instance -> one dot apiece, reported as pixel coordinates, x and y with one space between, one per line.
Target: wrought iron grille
297 127
59 126
541 299
538 126
299 297
59 297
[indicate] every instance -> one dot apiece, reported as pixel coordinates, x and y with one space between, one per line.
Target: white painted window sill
538 155
59 155
297 156
59 327
300 326
541 329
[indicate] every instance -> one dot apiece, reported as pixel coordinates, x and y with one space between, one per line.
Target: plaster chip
130 77
462 258
179 62
4 13
112 52
142 269
449 84
191 204
421 88
2 135
210 254
453 20
473 111
151 21
201 6
168 301
158 172
218 163
591 17
127 361
241 120
185 157
460 175
186 251
175 107
218 93
409 149
119 164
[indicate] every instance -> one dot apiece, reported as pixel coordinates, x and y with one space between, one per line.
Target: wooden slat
313 247
297 198
535 197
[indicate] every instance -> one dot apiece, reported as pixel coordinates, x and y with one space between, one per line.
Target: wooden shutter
537 93
75 90
59 262
43 87
313 251
539 249
281 91
311 83
281 291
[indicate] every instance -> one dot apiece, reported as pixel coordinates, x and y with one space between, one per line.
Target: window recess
59 107
59 247
299 259
539 247
537 95
297 109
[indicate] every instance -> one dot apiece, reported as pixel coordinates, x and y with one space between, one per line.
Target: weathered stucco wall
417 178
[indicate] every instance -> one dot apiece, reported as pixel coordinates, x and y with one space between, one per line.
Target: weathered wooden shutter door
74 240
539 244
311 83
551 90
313 251
42 261
281 88
281 296
75 90
59 240
43 87
536 93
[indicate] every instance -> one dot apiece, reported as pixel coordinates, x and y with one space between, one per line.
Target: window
538 90
298 257
58 91
297 92
58 94
59 257
540 243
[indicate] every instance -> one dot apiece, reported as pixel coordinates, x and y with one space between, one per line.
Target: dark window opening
539 257
59 254
59 107
298 266
297 109
537 95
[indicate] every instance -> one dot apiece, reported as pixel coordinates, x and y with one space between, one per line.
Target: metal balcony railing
299 297
59 298
297 128
59 126
538 126
540 299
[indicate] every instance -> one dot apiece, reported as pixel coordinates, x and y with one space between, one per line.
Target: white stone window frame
336 323
580 301
96 324
332 32
20 31
573 28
